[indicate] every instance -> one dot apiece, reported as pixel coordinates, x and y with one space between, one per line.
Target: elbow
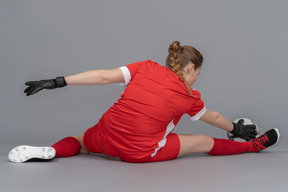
217 115
215 118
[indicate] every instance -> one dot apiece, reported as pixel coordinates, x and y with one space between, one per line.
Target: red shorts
96 143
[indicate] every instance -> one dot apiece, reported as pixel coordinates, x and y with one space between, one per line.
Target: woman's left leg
80 139
70 146
66 147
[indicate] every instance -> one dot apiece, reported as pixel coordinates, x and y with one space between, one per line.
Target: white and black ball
247 121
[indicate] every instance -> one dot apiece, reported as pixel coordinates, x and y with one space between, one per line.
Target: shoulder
151 63
196 93
146 65
143 63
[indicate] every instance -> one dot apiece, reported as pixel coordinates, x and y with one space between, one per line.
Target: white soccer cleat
23 153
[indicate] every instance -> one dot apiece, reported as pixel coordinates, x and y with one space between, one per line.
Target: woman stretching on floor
138 127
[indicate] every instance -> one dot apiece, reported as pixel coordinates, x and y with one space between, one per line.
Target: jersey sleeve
129 71
198 107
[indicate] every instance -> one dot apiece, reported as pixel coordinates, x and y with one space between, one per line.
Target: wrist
234 128
60 82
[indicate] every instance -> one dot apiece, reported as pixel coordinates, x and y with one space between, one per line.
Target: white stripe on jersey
127 75
199 114
162 143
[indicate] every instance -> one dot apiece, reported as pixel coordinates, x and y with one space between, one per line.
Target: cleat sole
278 133
24 153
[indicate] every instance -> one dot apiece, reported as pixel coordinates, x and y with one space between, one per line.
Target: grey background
244 73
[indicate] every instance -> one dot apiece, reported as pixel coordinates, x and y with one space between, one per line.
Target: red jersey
149 109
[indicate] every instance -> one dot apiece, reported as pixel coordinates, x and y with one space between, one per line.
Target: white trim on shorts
162 143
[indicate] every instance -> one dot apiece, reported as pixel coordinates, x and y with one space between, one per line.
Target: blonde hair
179 57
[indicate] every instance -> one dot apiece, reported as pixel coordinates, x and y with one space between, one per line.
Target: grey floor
265 171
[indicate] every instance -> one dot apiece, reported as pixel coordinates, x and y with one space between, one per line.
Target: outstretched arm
217 120
96 77
246 132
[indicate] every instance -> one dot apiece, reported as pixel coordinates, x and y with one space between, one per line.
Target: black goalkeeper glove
246 132
36 86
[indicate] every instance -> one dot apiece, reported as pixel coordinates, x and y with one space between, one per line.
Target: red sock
66 147
228 147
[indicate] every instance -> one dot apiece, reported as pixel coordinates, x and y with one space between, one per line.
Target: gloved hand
246 132
36 86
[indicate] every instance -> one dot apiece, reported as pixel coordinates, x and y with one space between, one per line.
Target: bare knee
80 139
208 141
195 144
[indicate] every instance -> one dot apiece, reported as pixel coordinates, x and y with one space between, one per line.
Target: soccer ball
246 122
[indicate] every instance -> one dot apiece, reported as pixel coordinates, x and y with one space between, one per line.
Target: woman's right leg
195 144
214 146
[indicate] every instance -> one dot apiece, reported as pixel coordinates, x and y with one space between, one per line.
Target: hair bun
174 47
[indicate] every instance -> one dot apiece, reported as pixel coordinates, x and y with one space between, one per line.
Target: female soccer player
138 127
